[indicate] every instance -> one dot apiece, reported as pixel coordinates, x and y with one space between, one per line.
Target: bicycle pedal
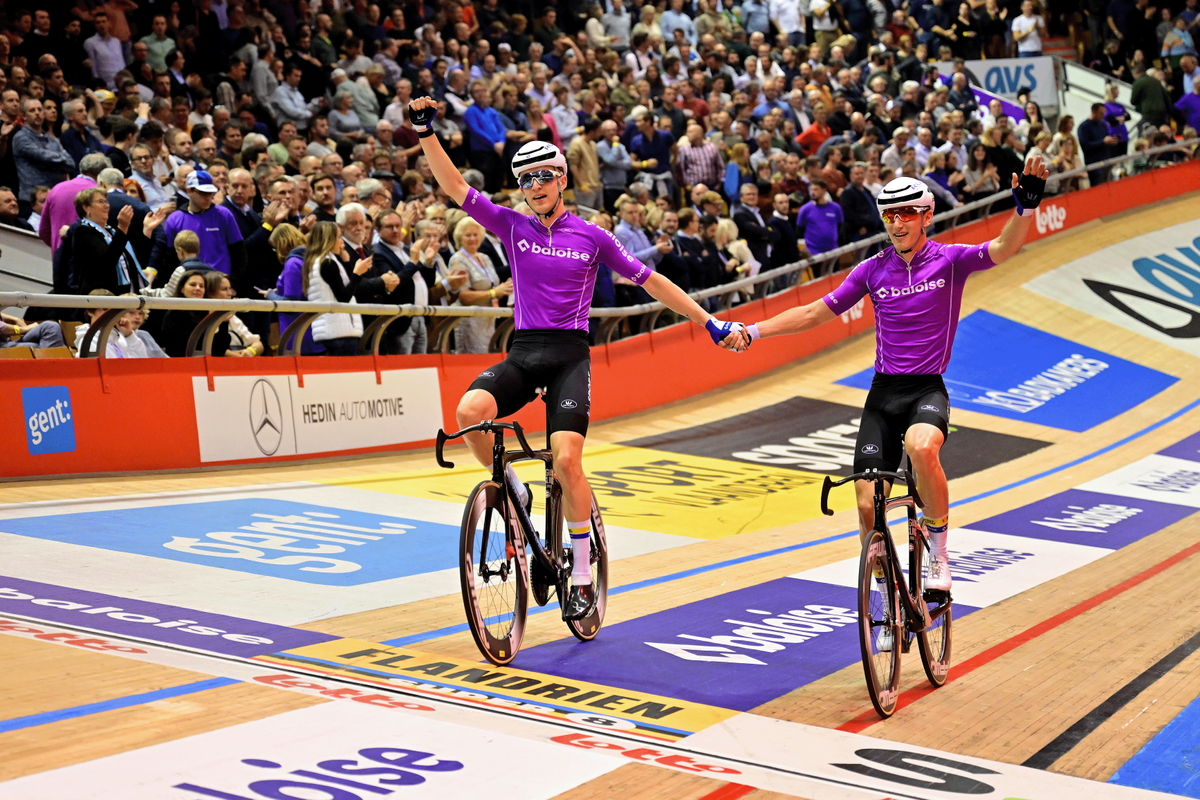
510 552
937 597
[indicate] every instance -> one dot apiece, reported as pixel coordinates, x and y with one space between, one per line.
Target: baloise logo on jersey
557 252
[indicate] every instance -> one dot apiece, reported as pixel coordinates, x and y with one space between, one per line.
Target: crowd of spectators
262 148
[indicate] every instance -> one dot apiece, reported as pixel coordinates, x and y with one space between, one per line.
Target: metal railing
219 311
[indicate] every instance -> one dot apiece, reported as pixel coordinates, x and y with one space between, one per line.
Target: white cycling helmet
533 155
903 192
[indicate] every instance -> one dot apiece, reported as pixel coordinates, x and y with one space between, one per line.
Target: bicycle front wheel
586 629
934 641
879 624
494 576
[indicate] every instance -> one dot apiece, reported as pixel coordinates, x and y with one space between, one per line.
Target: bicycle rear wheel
493 573
586 629
934 641
878 625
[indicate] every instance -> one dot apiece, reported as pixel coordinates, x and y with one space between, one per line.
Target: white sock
937 530
522 495
581 547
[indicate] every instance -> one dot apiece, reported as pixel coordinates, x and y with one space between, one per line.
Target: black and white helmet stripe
904 192
537 154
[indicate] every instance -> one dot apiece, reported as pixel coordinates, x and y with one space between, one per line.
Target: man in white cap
221 245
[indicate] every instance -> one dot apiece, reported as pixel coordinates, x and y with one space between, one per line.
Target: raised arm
1027 189
421 112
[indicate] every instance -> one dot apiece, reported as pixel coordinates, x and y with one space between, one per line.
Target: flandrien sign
263 416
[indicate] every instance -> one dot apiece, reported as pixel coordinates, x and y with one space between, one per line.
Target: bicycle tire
934 642
586 629
493 574
877 613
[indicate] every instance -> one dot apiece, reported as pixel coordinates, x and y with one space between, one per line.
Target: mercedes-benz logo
266 417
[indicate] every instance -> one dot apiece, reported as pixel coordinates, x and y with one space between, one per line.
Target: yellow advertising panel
652 490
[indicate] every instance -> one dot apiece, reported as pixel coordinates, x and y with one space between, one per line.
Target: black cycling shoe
581 601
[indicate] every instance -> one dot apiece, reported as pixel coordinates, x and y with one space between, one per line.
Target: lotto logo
586 742
1050 218
49 419
402 767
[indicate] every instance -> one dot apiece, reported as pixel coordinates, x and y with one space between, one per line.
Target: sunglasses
542 176
907 214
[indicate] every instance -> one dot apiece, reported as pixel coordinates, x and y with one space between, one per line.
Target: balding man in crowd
59 209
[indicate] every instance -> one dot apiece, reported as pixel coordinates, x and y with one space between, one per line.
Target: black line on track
1075 734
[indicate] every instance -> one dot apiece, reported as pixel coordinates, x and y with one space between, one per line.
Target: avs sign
1149 284
1004 77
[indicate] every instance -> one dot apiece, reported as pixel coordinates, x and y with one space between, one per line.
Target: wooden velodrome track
1027 670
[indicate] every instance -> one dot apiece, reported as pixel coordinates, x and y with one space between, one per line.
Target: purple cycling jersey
916 305
553 269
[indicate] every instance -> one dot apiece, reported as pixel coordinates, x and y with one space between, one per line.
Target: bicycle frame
501 458
915 609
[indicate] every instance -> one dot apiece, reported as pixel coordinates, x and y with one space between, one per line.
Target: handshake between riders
551 298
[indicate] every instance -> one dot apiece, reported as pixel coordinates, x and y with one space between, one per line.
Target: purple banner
214 633
1090 518
737 650
1189 448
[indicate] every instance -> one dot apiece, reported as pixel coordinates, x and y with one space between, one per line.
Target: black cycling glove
1028 193
421 117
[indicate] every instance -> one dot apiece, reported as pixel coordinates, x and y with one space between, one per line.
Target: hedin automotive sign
261 416
1149 284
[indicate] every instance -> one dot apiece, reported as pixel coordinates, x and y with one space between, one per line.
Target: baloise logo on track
387 769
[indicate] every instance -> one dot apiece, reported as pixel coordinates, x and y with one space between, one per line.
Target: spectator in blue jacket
1096 142
40 158
77 139
486 137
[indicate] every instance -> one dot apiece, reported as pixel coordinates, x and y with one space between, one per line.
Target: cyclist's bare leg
864 492
474 407
923 443
567 447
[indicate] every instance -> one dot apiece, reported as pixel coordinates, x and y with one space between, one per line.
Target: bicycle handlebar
868 475
487 426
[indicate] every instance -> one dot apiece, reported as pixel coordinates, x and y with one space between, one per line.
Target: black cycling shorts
558 360
894 403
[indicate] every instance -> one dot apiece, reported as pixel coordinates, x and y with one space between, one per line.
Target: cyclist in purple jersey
554 257
916 288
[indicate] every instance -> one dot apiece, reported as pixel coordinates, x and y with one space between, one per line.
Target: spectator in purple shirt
1189 104
221 245
819 219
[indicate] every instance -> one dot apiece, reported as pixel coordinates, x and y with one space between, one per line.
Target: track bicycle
496 573
891 613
